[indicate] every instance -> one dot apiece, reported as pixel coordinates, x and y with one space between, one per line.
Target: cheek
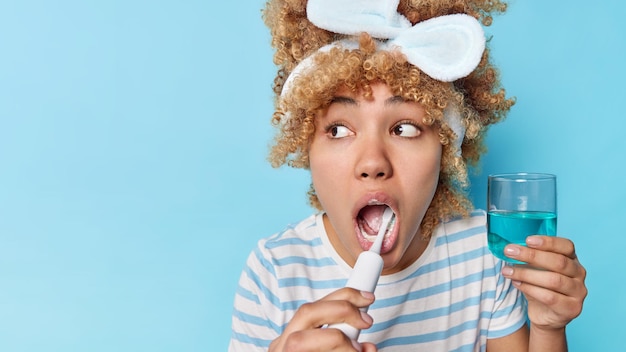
423 174
327 174
323 166
433 173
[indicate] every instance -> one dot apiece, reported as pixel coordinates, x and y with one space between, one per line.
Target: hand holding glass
519 205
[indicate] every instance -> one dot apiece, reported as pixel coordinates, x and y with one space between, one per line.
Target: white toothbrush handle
364 277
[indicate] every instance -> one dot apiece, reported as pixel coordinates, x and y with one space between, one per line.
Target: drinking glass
519 205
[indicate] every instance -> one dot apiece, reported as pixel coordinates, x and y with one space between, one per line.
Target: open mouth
369 221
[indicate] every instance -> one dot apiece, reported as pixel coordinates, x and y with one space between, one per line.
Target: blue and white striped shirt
453 298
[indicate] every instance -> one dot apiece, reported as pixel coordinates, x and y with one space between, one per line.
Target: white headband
446 48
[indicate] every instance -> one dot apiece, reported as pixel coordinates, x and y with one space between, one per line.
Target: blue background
133 180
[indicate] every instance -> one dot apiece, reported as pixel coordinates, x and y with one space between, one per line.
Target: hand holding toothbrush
344 309
305 333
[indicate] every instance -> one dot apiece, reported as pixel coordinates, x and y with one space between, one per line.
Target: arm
538 339
515 342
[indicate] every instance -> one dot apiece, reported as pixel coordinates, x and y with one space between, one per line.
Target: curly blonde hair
481 98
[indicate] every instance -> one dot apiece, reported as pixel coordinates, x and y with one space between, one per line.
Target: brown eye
338 131
406 130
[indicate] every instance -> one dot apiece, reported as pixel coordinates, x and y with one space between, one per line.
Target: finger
551 261
320 340
545 279
316 314
358 298
368 347
553 244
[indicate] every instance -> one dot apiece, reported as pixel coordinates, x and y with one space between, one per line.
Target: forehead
350 104
377 92
365 90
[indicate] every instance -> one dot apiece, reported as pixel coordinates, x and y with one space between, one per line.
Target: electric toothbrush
367 270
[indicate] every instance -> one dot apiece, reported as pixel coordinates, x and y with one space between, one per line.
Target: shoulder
296 247
272 255
476 220
296 263
304 234
473 227
465 240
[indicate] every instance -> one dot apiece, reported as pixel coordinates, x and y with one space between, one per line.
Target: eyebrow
343 100
396 99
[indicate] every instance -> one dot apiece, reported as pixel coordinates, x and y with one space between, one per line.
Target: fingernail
512 250
534 241
507 271
367 318
516 283
368 295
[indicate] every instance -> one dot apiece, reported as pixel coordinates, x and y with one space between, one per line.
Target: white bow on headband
446 48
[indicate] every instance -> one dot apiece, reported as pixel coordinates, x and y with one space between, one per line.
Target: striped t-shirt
453 298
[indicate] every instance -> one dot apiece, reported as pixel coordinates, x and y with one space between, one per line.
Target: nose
374 162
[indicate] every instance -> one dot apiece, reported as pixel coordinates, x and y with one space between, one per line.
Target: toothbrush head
385 225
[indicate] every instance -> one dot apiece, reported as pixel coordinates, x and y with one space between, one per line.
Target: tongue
371 217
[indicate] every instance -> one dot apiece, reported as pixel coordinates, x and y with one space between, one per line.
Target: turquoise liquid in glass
506 227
